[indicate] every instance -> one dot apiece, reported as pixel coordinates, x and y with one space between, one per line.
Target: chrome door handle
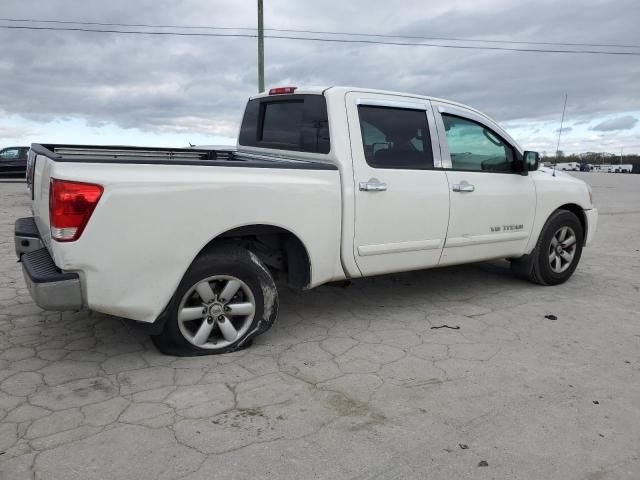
463 187
373 185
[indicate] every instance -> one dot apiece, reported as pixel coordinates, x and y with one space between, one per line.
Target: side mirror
531 161
519 166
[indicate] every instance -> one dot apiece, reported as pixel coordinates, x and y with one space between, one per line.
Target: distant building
622 168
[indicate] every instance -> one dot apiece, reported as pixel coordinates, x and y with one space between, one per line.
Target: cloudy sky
76 87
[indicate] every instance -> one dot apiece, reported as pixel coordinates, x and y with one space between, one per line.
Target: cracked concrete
350 383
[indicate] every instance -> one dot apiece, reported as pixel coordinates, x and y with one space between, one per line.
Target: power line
131 32
315 39
458 39
321 32
68 22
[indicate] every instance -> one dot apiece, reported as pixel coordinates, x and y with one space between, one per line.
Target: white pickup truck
326 184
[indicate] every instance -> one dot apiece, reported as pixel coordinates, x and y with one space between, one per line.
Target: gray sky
100 88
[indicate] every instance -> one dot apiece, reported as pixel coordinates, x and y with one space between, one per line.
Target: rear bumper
50 287
26 236
592 224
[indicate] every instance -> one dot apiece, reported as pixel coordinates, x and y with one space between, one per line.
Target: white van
570 166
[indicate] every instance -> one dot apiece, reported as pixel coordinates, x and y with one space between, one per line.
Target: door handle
373 185
463 187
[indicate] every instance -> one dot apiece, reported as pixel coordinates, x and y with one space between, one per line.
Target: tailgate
41 175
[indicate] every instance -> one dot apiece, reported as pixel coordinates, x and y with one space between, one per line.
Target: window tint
474 147
395 137
9 154
286 122
282 122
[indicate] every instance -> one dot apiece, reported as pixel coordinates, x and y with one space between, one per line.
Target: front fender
557 190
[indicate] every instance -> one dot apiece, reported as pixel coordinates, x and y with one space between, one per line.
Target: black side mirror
531 161
518 165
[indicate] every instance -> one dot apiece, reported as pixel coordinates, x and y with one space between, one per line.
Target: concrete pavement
351 383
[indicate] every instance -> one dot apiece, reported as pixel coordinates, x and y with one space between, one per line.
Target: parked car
326 184
13 161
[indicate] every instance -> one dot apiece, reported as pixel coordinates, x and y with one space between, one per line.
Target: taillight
70 207
282 90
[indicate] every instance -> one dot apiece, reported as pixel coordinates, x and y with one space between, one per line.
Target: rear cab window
287 122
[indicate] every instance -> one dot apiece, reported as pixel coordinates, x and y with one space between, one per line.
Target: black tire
222 260
536 267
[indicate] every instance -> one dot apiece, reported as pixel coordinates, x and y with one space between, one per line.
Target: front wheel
225 299
557 252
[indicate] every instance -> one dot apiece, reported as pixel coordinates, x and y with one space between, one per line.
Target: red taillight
70 207
282 90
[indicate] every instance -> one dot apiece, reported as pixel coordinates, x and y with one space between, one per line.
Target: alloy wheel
562 249
216 312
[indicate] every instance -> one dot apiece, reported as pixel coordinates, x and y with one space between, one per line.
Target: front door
401 200
492 207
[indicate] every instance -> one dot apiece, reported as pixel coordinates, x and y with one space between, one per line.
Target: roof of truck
320 90
338 91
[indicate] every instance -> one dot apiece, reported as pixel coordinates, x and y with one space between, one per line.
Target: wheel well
579 212
280 250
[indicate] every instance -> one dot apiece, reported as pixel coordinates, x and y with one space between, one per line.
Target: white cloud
198 86
626 122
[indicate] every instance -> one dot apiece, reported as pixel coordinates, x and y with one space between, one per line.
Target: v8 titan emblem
507 228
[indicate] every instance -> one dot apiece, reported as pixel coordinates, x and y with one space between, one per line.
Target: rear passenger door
401 194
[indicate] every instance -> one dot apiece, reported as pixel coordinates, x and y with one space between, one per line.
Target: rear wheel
557 252
225 299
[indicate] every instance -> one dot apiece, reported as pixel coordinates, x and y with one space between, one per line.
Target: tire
548 264
200 321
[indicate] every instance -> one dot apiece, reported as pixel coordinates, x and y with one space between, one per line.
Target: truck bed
161 207
174 156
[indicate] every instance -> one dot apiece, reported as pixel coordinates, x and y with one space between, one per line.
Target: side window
395 138
473 146
9 154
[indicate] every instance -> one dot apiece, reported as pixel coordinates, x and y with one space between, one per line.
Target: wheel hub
215 309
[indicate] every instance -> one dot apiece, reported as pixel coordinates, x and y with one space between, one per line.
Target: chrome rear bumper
50 287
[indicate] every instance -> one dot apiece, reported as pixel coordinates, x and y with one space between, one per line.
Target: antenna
561 124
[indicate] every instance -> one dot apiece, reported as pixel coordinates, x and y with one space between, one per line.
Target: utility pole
561 123
260 48
621 149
